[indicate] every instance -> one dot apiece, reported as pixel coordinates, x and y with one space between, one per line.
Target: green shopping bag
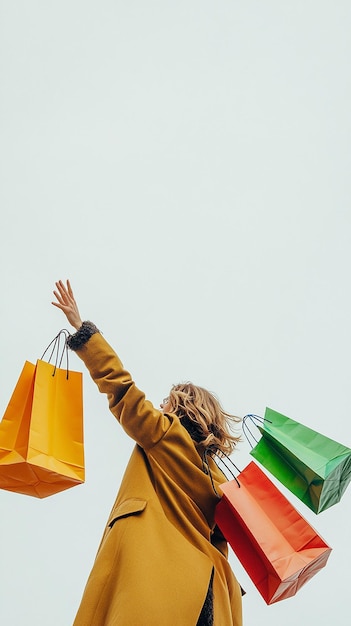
313 467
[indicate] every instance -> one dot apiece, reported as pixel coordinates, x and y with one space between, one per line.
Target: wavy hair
203 417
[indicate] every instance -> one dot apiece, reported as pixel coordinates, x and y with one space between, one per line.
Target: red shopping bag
277 547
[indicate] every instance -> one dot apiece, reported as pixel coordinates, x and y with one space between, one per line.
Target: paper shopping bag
41 433
313 467
277 547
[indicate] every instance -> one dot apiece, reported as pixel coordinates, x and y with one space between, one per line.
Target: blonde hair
203 417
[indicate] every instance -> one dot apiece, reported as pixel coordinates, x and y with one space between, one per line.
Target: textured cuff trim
83 334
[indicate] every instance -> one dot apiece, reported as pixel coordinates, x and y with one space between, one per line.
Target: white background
187 165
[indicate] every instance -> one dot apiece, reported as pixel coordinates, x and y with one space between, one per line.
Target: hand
67 303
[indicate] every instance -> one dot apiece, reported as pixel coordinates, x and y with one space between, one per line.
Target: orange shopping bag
41 433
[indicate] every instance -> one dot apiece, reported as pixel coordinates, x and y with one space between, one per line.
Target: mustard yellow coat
160 545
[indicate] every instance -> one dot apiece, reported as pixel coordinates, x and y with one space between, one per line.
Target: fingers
59 299
64 294
66 302
69 289
59 306
62 289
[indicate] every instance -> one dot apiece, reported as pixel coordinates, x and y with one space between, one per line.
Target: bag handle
56 346
206 467
257 421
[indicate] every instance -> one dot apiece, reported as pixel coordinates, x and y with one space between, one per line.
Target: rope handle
257 421
55 343
207 469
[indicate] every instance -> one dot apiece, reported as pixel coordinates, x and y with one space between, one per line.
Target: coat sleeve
139 418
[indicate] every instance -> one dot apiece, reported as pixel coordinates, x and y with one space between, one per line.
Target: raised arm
139 418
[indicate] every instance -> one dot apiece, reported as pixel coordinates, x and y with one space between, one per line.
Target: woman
162 561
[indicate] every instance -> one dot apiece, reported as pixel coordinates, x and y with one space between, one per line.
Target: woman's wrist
77 324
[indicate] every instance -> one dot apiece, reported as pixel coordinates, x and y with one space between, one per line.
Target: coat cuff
83 334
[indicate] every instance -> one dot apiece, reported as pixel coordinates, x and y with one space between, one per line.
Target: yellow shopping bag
41 433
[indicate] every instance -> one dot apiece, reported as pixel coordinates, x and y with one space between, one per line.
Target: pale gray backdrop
187 165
